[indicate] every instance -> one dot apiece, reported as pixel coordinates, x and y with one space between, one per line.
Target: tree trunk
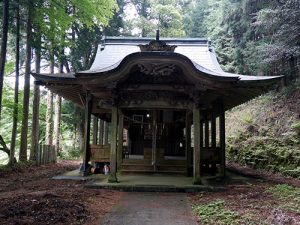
57 116
3 46
49 119
16 93
24 132
57 106
36 107
80 127
49 114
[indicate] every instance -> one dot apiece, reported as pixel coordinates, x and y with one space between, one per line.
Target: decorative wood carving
138 98
157 45
157 70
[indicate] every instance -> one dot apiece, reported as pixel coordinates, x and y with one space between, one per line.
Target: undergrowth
265 132
215 212
290 197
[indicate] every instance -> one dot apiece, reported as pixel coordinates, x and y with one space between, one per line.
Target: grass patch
216 213
289 195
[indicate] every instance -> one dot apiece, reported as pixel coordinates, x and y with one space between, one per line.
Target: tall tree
168 14
3 46
57 109
57 117
143 22
16 93
24 131
36 103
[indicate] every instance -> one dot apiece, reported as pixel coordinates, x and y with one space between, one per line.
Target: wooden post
188 151
154 131
206 136
44 155
197 147
87 130
41 154
120 140
113 146
222 141
101 131
105 133
213 129
95 130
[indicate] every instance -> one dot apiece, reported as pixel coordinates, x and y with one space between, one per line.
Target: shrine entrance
163 130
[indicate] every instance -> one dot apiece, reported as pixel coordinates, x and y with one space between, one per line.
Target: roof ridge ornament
157 45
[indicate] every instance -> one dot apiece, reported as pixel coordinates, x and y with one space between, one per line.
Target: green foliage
9 67
266 139
216 213
296 126
247 118
70 153
290 197
162 14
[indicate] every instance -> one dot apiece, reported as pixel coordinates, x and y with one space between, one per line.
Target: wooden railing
210 155
100 153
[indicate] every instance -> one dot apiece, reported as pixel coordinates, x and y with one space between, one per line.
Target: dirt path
151 209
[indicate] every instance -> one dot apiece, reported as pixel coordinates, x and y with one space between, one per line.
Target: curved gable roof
113 50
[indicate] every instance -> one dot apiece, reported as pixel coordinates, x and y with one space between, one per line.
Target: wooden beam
154 133
101 132
188 151
155 104
120 139
95 130
87 129
222 141
197 147
113 146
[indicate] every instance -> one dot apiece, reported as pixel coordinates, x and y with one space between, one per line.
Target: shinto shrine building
165 101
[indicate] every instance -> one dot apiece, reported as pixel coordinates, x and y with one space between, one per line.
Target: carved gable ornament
157 70
157 45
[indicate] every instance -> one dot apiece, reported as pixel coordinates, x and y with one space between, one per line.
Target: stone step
152 171
137 167
149 161
148 168
163 167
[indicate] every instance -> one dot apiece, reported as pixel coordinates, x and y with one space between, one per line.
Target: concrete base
112 178
197 181
155 182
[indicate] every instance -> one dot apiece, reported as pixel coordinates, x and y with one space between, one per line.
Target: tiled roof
114 49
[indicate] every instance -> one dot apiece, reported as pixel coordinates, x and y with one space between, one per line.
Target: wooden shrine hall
165 101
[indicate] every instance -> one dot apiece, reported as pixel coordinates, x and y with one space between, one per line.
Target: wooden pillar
87 129
213 129
188 151
206 135
113 146
222 140
95 129
197 147
105 133
120 140
101 131
154 131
